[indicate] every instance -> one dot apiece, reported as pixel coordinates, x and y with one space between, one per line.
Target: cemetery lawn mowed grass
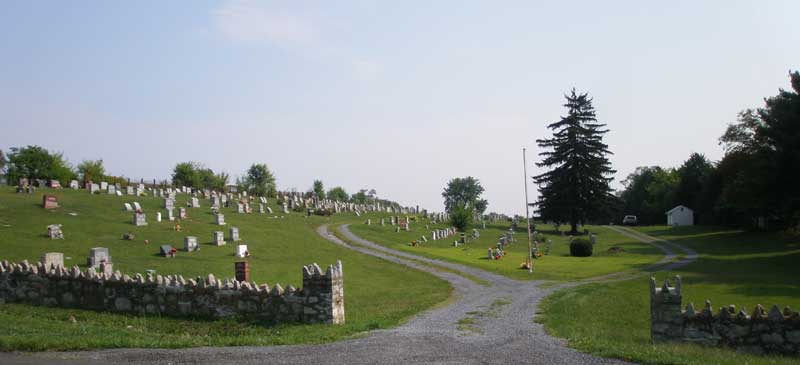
378 294
734 267
558 266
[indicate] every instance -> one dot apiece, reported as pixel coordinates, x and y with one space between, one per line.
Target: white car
629 220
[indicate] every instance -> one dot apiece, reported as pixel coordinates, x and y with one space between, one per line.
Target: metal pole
527 214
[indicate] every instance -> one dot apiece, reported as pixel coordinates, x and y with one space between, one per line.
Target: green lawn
377 294
734 267
559 265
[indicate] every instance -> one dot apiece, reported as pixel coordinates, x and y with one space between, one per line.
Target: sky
398 96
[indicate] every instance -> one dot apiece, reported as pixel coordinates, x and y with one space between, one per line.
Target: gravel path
484 324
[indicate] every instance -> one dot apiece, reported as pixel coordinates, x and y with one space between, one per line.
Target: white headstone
219 238
241 251
190 243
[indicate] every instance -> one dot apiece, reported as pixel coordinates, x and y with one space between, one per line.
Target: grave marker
96 256
241 251
190 244
49 202
54 232
219 238
50 259
139 219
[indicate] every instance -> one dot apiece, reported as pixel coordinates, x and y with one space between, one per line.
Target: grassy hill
377 294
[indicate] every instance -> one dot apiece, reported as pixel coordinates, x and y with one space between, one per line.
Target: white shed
680 216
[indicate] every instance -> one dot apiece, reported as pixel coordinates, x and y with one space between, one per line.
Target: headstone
119 192
96 256
269 210
234 234
54 232
169 203
139 219
107 268
103 185
167 251
55 184
49 202
129 190
158 216
74 185
128 207
182 213
261 208
190 244
50 259
219 220
170 215
285 209
219 238
195 203
112 190
94 188
241 251
137 206
242 270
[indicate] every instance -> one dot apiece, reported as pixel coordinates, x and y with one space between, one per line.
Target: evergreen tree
576 188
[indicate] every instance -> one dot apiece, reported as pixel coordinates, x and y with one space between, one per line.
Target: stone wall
775 331
321 300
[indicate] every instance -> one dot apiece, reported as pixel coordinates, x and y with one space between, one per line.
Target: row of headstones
295 199
98 259
438 234
392 221
190 242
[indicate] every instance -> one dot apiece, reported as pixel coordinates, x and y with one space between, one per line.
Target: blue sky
399 96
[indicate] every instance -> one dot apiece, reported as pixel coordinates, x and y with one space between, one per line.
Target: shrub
580 247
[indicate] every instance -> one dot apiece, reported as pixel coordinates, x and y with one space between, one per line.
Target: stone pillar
323 294
666 319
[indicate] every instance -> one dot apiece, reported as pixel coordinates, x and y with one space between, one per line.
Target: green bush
580 247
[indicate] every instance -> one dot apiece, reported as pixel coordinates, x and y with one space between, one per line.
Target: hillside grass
558 266
734 267
378 294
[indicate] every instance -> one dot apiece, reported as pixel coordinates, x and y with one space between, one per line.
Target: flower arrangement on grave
177 228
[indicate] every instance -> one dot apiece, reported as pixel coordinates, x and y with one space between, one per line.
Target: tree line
755 184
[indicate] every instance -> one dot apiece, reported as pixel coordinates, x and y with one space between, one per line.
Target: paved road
496 326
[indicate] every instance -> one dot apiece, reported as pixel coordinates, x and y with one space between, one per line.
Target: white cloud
253 22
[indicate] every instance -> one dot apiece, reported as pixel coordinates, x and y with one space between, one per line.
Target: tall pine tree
576 187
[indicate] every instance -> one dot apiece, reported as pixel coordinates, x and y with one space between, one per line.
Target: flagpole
527 214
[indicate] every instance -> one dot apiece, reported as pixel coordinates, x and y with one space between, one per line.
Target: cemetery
262 247
276 250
